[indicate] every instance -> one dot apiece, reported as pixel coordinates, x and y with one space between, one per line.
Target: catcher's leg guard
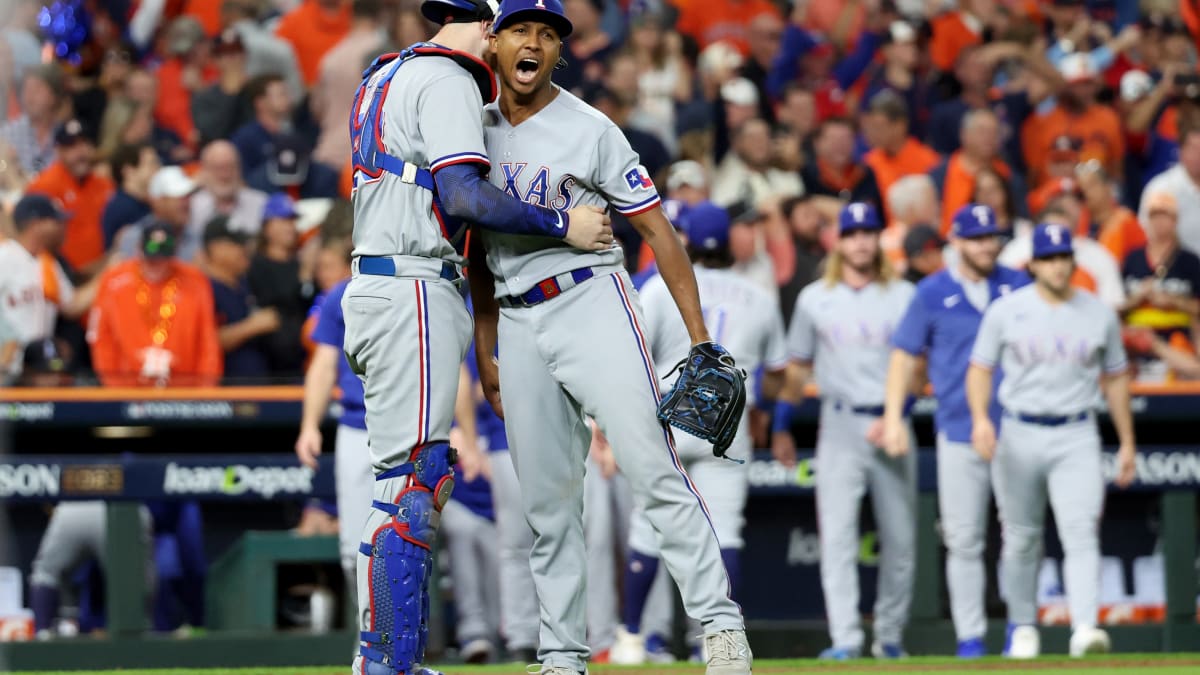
401 560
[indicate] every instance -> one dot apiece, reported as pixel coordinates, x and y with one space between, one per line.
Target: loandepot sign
238 479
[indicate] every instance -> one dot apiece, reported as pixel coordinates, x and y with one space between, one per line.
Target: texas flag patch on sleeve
638 179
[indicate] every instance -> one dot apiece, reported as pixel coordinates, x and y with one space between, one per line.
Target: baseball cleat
477 651
840 654
629 649
728 653
547 669
1023 642
888 650
657 650
1089 640
971 648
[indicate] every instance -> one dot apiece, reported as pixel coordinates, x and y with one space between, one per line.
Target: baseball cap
900 31
974 220
686 172
921 238
218 229
183 34
33 207
158 240
677 213
1161 201
458 11
71 132
720 56
858 216
739 91
171 181
707 227
1135 84
228 42
279 205
1050 239
549 12
1077 67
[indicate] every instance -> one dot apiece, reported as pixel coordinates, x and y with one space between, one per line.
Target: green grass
1117 664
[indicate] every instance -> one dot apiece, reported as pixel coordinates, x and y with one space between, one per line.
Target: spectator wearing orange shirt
833 171
187 69
1116 227
83 193
894 153
313 28
953 31
1095 126
707 21
979 141
153 321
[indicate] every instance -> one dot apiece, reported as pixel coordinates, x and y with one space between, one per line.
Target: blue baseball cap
279 205
1050 239
707 227
677 212
549 12
974 220
33 207
858 216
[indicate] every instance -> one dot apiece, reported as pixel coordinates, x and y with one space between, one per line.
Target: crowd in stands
175 191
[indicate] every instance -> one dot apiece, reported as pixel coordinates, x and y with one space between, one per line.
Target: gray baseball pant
964 489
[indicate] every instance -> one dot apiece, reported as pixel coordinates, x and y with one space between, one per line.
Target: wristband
781 420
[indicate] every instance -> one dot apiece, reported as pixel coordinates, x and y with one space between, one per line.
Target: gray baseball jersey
567 155
1051 354
440 128
847 333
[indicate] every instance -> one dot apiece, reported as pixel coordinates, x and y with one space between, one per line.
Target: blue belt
872 410
385 266
548 288
1049 420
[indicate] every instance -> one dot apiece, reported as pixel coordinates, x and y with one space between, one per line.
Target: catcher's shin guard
401 561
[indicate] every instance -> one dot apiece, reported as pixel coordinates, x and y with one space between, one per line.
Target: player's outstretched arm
675 269
487 320
466 195
1116 393
318 389
979 397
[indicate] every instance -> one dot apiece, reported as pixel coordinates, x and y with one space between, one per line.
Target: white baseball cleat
1025 643
1089 640
728 653
629 649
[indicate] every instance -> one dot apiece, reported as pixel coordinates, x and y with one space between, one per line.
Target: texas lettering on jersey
534 187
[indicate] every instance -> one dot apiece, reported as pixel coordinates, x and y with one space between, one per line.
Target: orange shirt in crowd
1122 234
914 157
824 17
952 32
312 32
83 241
207 12
708 21
1097 131
146 334
173 110
960 187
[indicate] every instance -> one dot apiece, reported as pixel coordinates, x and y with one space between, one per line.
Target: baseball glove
708 398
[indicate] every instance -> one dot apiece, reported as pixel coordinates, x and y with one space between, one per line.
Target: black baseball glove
708 398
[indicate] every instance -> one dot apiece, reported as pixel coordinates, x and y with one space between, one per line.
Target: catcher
745 317
572 343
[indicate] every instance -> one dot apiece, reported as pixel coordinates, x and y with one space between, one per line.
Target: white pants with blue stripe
584 353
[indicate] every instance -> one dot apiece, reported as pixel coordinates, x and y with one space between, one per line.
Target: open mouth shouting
526 70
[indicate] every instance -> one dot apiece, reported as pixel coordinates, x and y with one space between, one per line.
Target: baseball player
418 166
1058 347
940 325
742 316
572 343
840 334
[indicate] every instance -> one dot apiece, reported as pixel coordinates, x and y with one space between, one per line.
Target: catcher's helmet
459 11
549 12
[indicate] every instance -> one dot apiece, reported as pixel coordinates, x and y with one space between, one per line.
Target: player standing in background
940 325
746 319
840 334
1053 343
419 164
571 338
